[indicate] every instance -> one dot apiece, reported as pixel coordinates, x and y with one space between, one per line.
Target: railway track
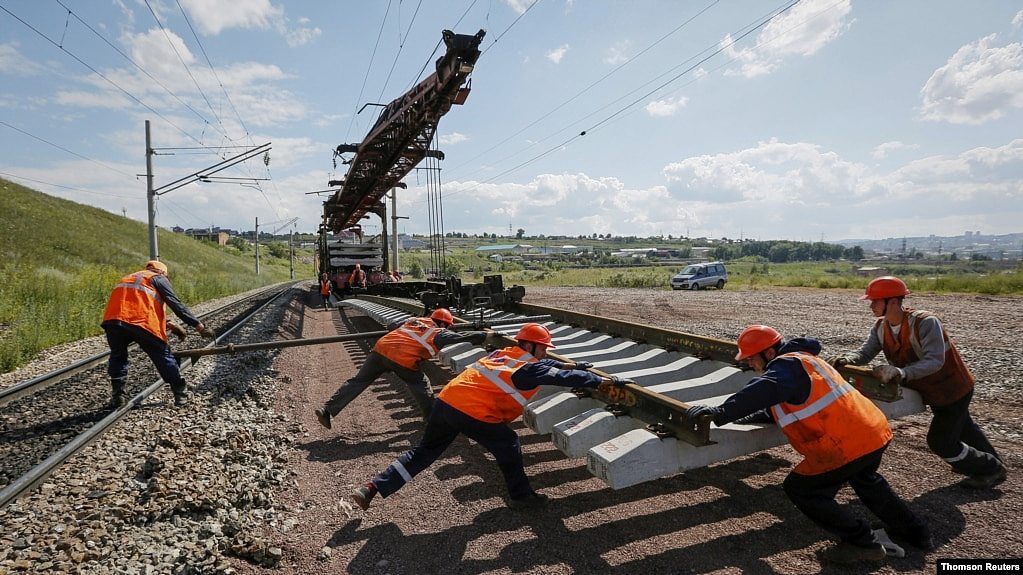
635 434
49 418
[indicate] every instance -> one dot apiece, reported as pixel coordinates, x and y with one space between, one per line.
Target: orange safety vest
947 385
835 425
485 391
411 343
135 301
324 287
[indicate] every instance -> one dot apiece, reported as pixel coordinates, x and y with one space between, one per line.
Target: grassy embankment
59 260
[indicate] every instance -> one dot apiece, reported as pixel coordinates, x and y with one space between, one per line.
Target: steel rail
41 382
43 470
663 414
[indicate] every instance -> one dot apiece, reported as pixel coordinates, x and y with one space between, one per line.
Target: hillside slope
59 259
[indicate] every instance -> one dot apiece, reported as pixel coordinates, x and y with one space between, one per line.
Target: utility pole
257 245
154 253
203 175
291 253
394 225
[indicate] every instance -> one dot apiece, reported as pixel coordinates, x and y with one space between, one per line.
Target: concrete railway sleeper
635 434
36 436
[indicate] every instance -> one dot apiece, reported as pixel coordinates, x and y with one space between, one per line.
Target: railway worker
480 402
325 290
357 279
135 313
921 356
402 351
840 433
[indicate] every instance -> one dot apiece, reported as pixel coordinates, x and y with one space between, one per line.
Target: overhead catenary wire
369 67
87 191
133 97
401 45
720 48
63 149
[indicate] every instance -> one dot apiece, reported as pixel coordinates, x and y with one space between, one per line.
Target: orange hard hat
885 287
535 333
755 339
441 314
157 266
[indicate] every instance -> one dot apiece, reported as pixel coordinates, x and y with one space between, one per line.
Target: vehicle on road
700 276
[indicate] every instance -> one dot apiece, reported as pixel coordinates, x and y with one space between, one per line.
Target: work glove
695 413
177 330
888 374
620 381
758 416
837 361
205 331
582 365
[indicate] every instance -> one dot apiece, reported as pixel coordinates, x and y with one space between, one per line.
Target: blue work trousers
957 439
814 495
444 425
120 336
375 366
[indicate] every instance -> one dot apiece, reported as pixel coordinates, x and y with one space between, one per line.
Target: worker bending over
402 351
840 433
921 356
480 402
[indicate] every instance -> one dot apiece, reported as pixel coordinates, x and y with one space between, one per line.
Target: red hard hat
885 287
535 333
755 339
441 314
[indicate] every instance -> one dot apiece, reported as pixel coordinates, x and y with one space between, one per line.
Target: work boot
532 501
846 553
117 397
363 495
985 481
323 416
181 399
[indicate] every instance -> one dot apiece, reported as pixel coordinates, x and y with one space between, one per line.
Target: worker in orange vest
135 313
922 357
357 278
480 403
402 351
840 433
325 290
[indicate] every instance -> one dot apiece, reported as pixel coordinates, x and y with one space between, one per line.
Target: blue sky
833 120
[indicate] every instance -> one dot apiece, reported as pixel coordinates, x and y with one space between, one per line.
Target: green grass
59 260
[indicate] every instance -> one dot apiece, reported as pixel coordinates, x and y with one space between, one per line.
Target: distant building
505 249
218 237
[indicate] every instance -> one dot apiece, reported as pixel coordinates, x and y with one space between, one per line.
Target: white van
700 276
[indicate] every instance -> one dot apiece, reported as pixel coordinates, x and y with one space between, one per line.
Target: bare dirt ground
728 518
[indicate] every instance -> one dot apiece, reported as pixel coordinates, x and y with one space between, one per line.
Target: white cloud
214 16
453 138
1017 20
802 31
519 6
666 107
980 82
616 53
557 54
882 150
301 36
13 63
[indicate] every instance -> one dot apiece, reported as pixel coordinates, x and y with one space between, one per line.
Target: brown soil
728 518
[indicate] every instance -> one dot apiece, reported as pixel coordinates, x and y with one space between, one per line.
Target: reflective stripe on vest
838 389
137 285
494 377
424 339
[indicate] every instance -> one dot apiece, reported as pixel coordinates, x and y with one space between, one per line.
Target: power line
17 177
401 45
133 62
514 22
100 74
63 149
185 65
368 68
